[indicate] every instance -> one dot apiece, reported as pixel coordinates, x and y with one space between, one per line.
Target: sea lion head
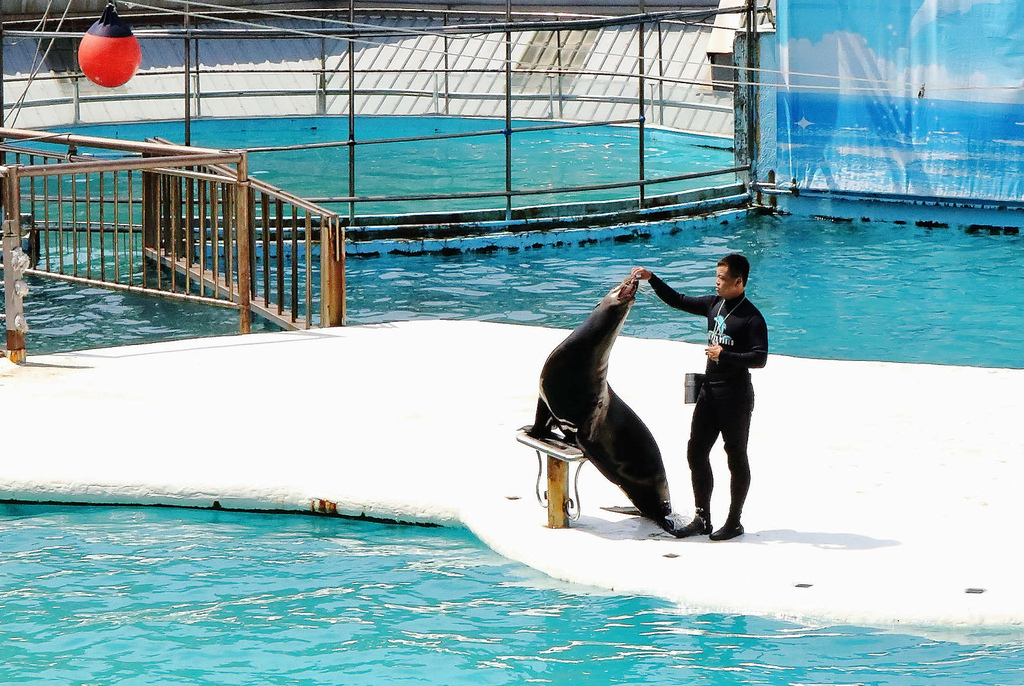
625 292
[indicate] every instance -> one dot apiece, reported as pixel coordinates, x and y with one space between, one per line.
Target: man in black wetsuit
737 343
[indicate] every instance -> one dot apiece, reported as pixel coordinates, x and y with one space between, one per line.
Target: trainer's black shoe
728 531
699 526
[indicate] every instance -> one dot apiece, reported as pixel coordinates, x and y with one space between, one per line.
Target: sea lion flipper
672 523
543 421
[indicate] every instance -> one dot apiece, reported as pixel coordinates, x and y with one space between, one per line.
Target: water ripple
276 599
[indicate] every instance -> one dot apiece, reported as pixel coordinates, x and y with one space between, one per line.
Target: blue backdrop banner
905 97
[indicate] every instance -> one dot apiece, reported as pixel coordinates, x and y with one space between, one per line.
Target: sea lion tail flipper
664 517
672 523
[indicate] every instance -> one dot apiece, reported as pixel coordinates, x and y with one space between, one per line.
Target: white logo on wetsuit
717 335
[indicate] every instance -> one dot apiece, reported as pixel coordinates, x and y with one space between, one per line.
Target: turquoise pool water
866 291
64 316
870 291
540 159
101 595
155 596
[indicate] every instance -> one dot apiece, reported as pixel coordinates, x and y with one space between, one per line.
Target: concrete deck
881 492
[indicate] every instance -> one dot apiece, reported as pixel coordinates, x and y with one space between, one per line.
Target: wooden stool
556 498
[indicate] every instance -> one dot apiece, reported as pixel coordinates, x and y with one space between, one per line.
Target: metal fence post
243 241
3 103
641 102
188 77
321 80
753 62
551 96
76 102
745 46
446 64
332 272
13 305
661 77
197 90
558 63
150 221
350 46
508 110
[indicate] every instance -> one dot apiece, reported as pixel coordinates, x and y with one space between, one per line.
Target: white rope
474 31
304 33
36 66
848 83
277 14
339 22
33 69
497 61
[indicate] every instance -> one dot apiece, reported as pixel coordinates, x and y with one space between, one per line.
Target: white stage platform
883 494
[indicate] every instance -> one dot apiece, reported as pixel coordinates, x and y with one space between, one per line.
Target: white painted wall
157 92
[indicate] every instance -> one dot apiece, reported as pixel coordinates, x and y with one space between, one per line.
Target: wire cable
468 32
874 85
472 32
16 108
847 83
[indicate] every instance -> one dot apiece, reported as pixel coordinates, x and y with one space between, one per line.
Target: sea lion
575 397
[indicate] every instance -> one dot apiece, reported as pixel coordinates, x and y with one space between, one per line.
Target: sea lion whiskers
627 289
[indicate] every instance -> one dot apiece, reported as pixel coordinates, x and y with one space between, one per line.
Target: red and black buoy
109 53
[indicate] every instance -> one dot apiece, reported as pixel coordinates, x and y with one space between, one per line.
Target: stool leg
558 492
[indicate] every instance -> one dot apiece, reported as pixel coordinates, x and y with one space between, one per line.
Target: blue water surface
104 595
547 159
115 595
860 291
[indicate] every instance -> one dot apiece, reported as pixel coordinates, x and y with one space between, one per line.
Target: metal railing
163 219
647 78
439 98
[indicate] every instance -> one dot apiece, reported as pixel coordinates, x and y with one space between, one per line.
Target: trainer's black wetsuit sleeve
757 355
698 306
